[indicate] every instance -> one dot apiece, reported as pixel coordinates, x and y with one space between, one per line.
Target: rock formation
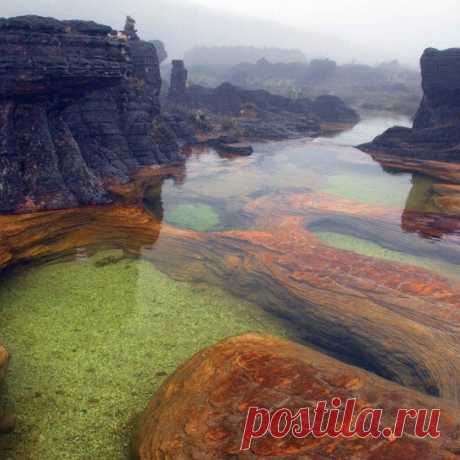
258 114
227 99
130 29
178 84
77 108
432 145
435 134
200 412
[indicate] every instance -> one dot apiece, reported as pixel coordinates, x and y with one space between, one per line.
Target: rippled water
94 334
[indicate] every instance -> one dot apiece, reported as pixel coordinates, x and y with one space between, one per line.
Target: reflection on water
219 187
94 333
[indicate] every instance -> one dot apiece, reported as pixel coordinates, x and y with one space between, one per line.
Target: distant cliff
259 114
435 134
441 88
78 107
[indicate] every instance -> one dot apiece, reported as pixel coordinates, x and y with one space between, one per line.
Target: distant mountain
221 58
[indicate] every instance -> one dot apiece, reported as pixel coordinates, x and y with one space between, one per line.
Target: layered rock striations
117 127
435 134
200 411
78 107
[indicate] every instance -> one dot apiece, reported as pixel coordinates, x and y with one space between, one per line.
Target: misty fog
344 30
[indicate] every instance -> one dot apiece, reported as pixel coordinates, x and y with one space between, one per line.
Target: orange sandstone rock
199 413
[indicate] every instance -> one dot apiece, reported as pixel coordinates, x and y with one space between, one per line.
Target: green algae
368 248
92 339
195 216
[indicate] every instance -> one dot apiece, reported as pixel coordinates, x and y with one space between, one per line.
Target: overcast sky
365 30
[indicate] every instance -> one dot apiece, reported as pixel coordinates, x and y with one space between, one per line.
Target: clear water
93 335
92 338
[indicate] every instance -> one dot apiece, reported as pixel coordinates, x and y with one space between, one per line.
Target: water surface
94 334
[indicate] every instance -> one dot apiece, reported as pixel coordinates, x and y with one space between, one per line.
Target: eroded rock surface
77 108
199 413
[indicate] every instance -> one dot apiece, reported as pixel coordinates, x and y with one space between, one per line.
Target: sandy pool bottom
92 338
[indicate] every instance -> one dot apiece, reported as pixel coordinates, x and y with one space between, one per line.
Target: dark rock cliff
178 84
228 99
435 134
78 107
441 88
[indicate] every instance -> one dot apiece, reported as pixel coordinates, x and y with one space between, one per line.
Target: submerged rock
200 411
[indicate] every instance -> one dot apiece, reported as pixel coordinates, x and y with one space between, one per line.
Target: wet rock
200 411
392 318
